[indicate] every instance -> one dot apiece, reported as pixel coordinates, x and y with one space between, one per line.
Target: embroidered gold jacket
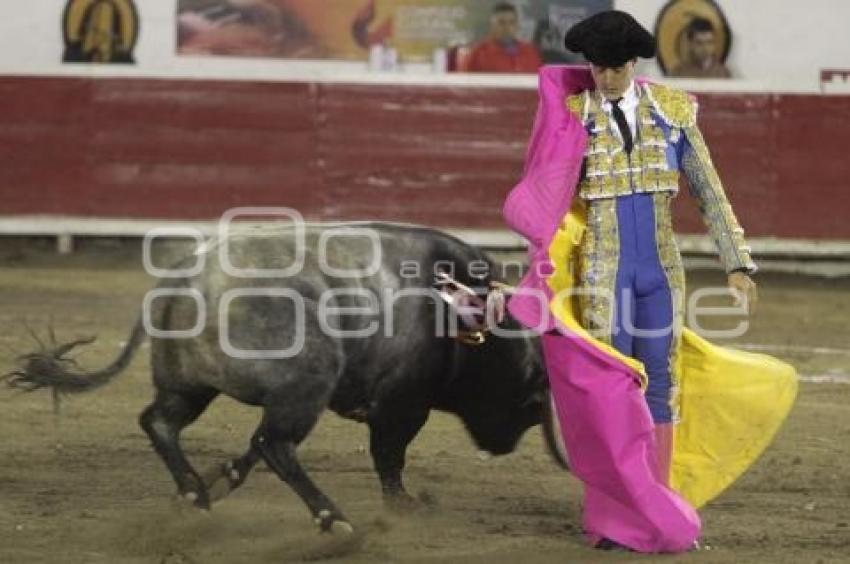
667 141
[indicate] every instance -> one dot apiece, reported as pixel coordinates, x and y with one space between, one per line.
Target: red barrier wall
435 155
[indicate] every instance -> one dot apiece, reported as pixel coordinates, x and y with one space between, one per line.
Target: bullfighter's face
613 82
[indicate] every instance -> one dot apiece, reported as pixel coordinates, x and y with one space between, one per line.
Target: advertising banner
346 29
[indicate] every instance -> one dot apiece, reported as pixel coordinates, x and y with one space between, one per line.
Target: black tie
625 130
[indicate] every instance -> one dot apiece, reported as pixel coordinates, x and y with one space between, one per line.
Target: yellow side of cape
731 402
563 252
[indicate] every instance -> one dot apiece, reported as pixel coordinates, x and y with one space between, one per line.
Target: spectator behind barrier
503 51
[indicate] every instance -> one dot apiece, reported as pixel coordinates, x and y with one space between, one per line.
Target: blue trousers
643 309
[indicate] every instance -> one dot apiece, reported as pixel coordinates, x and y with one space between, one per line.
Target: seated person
502 51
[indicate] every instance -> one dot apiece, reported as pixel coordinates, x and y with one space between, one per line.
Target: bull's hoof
336 524
342 528
198 501
192 491
220 480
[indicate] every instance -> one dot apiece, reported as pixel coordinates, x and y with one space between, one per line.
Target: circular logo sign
100 31
671 30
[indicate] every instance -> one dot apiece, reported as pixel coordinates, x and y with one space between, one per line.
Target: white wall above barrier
774 48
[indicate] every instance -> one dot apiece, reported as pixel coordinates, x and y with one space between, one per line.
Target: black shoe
608 544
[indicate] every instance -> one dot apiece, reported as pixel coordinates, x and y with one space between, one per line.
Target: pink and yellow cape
731 402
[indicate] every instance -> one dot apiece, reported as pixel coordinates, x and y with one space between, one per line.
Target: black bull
404 364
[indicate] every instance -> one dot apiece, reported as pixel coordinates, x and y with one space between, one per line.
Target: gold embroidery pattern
575 104
674 106
610 172
714 207
598 260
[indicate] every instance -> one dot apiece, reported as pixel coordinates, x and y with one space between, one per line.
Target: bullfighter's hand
743 288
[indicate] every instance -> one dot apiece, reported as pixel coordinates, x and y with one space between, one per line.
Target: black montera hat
610 38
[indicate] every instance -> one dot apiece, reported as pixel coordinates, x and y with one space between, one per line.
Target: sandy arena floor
86 487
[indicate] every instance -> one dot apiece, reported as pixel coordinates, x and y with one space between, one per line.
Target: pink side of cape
536 205
607 428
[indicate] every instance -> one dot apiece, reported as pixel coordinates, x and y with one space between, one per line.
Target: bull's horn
506 288
552 434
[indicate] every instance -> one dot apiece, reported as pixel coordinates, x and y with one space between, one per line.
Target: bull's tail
50 368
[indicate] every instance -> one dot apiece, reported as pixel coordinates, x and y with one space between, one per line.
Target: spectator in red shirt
503 51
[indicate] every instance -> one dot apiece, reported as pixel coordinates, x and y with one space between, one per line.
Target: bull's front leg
390 433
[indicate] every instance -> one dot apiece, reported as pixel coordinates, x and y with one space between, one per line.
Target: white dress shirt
629 105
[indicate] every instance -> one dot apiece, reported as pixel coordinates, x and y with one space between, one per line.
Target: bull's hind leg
163 420
221 480
284 426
